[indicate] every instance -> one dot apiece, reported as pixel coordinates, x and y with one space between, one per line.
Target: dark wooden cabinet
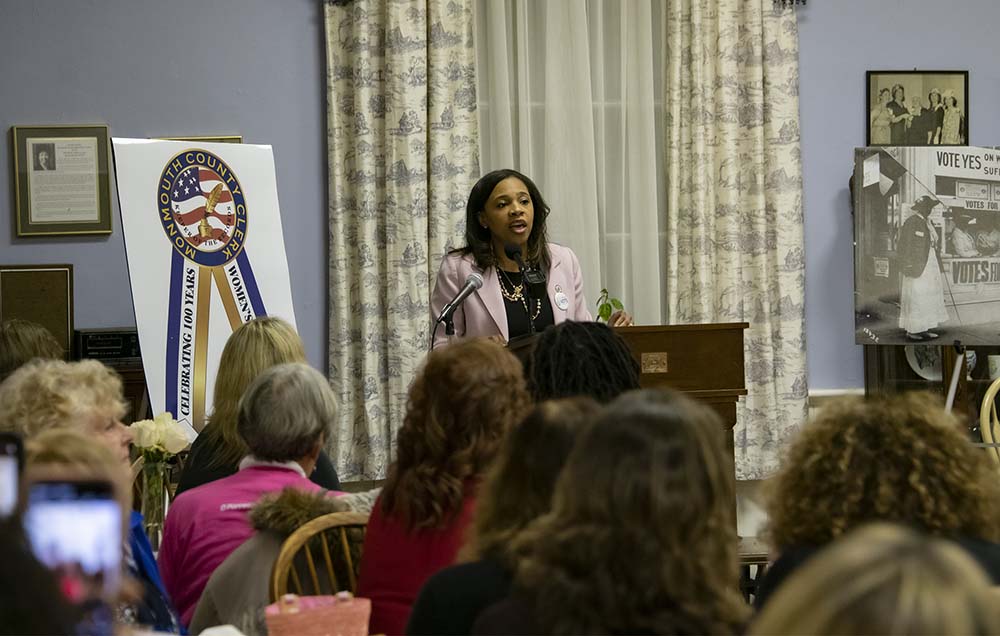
118 348
134 387
896 369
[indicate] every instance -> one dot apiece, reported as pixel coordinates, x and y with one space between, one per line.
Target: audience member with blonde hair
86 397
26 584
77 453
70 452
462 403
884 579
516 491
22 341
284 418
898 459
255 346
641 538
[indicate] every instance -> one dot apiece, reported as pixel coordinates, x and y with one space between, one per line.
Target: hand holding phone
75 529
11 464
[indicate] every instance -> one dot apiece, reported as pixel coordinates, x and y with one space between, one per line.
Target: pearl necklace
517 294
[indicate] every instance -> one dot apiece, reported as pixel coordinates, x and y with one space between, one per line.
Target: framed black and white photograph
44 155
61 180
927 246
917 108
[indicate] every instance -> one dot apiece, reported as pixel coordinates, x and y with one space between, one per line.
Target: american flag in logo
203 208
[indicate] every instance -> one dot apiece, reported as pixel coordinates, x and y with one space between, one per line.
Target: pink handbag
340 615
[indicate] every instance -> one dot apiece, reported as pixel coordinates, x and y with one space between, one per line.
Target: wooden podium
703 361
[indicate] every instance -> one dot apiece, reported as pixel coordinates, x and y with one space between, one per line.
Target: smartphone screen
75 529
11 457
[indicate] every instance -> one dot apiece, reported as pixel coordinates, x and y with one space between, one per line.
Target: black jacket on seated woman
985 553
199 469
253 348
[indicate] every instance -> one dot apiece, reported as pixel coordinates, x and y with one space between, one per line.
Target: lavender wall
255 67
177 68
838 41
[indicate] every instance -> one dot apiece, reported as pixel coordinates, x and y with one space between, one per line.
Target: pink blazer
483 313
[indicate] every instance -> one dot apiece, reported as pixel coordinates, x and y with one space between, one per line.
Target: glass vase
155 477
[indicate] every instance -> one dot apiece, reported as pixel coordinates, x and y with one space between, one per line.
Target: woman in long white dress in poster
922 292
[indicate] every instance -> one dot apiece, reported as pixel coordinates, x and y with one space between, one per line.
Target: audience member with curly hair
515 491
884 579
899 459
22 341
581 358
46 394
462 403
641 537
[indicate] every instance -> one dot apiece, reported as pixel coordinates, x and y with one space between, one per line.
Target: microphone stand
449 325
514 252
473 282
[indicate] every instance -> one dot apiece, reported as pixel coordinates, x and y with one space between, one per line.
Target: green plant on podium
607 305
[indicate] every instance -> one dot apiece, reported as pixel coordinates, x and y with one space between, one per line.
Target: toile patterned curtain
734 188
403 154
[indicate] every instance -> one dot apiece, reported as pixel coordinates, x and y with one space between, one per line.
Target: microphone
472 283
534 278
513 252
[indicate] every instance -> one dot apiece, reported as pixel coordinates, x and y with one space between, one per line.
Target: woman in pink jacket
506 209
284 418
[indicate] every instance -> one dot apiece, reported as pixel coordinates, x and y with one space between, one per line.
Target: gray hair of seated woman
285 412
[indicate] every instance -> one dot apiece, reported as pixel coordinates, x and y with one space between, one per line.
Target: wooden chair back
337 539
989 425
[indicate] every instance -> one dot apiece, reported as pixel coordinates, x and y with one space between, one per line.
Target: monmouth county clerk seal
202 208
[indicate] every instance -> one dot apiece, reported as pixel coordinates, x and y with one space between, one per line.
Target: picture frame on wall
221 139
42 294
62 183
917 108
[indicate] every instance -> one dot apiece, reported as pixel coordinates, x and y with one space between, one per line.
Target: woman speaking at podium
505 222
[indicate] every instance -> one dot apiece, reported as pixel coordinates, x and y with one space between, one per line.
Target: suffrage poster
205 254
927 245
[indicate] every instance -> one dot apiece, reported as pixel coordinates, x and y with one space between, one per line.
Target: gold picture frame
221 139
42 294
62 182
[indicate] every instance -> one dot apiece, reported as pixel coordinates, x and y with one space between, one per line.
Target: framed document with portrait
61 180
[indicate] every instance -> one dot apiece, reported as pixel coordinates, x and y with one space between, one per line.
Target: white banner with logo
205 254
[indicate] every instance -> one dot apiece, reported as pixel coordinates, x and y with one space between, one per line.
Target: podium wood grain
703 361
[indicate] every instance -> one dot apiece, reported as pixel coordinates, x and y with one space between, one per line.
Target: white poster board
205 254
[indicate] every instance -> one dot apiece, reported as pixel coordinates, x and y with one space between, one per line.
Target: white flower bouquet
161 438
